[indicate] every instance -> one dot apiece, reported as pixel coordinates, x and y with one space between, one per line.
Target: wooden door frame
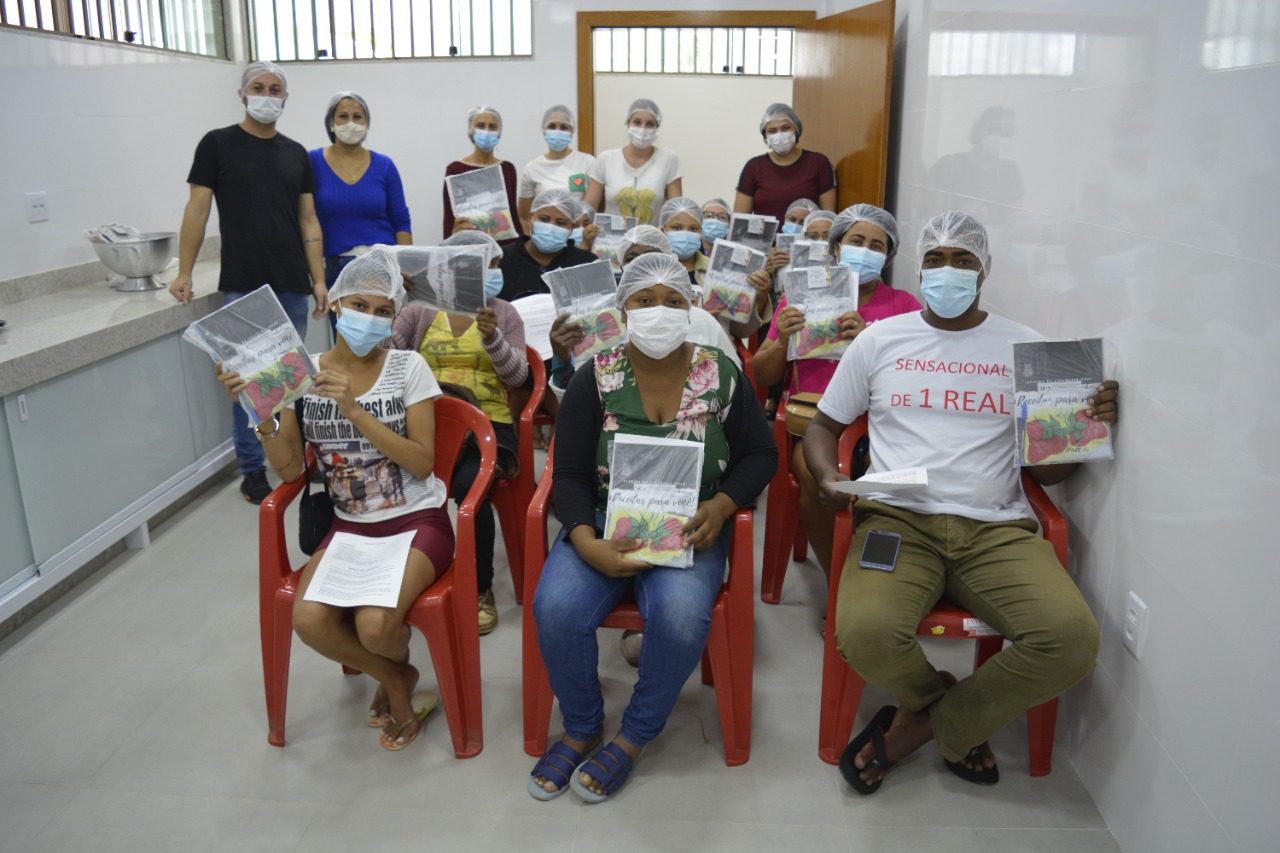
587 21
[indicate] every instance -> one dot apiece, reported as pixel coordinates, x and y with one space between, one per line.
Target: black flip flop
985 776
873 734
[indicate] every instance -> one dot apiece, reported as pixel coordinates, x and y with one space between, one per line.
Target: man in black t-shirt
265 191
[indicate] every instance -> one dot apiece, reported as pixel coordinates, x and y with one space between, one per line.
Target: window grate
973 53
747 51
185 26
287 30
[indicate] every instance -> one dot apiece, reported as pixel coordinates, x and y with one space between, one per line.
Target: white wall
107 132
1142 210
712 123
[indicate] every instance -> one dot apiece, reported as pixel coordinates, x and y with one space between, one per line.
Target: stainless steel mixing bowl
137 259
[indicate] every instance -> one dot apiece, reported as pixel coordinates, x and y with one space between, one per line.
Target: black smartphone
880 551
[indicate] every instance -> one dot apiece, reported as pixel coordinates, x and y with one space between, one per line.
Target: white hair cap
483 108
475 237
717 202
955 230
644 235
650 269
333 108
676 206
559 110
819 216
254 70
559 199
877 216
644 105
375 273
773 112
586 210
807 205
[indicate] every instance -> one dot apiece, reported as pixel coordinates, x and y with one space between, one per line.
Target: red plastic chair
842 686
511 497
784 536
445 612
726 663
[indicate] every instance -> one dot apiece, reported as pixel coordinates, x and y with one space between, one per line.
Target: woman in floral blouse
657 385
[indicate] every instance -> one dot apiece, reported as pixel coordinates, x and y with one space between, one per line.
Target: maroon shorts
432 533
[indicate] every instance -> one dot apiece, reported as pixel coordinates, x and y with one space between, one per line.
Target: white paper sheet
538 313
886 481
360 571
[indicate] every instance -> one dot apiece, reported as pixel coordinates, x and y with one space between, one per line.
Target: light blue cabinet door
15 544
98 439
207 403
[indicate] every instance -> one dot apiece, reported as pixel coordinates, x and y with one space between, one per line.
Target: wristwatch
267 436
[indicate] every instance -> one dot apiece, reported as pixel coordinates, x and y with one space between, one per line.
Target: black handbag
315 511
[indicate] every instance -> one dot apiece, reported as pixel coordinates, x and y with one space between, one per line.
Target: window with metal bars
187 26
390 29
750 51
972 53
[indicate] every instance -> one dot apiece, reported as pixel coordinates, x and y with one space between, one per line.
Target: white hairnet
643 105
877 216
804 204
718 202
559 199
644 235
375 273
254 70
587 211
955 230
483 108
819 216
333 108
773 112
475 237
563 112
650 269
676 206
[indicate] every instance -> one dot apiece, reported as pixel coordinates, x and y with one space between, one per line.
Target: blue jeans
248 449
572 600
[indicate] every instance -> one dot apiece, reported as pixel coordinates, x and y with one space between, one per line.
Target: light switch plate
37 207
1136 620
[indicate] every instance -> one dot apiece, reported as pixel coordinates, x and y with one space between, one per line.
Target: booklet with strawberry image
481 196
1053 381
653 492
754 230
254 337
725 289
612 229
824 296
588 294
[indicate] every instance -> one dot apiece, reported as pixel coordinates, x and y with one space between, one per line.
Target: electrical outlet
1136 619
37 207
23 414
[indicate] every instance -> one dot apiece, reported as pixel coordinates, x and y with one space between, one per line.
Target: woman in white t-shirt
370 420
637 178
560 168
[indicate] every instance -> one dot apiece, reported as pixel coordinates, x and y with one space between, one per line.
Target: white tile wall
1137 202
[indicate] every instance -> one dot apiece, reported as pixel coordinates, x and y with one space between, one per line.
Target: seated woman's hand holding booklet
824 296
588 294
254 338
653 493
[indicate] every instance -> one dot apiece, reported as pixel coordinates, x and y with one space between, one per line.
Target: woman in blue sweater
359 197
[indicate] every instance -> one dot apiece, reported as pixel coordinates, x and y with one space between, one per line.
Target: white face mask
350 133
657 331
642 137
264 109
782 142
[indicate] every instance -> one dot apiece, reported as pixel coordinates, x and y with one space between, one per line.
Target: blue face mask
557 140
792 228
684 243
550 239
486 140
492 282
576 235
867 263
948 291
714 229
361 331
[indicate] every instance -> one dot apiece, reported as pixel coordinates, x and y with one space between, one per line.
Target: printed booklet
725 290
823 295
653 492
753 230
449 278
612 230
1052 382
253 337
588 294
481 196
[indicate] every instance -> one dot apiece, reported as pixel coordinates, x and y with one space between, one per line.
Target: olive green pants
1007 576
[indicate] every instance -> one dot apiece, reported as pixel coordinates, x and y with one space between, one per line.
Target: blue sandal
556 765
610 768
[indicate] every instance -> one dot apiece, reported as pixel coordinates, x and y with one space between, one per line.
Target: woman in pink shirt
863 237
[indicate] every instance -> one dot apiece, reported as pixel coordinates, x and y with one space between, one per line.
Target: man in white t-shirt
937 389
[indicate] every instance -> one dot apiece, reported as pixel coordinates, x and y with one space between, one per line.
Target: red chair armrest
535 528
742 552
273 543
1053 525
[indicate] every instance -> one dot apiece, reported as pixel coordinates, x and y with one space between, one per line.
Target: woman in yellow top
487 357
